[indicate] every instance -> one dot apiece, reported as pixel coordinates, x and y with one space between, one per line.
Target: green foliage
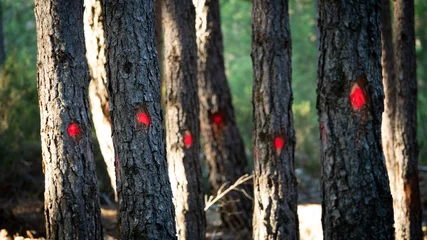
421 50
19 113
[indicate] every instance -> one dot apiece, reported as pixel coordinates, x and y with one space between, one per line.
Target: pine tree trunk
387 62
71 194
275 185
182 118
223 145
145 197
404 166
356 196
98 96
158 18
2 50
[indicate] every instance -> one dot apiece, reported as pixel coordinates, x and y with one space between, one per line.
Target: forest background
19 111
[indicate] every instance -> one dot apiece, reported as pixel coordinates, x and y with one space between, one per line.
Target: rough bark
159 35
275 185
71 195
145 197
356 196
182 118
2 50
387 61
222 143
404 166
98 96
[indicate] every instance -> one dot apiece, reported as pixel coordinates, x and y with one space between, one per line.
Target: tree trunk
387 60
2 50
98 96
159 35
356 196
145 197
223 145
71 194
275 185
403 167
182 121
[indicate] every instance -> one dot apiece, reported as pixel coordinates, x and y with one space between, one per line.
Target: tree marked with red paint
73 130
144 119
357 97
188 140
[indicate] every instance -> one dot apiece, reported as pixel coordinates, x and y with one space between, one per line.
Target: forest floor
21 208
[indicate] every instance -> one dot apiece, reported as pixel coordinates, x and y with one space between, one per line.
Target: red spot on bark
188 140
217 119
279 143
144 119
357 97
73 130
323 133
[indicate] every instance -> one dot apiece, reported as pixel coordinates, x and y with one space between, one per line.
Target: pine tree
222 143
71 194
275 185
182 122
400 127
356 196
145 197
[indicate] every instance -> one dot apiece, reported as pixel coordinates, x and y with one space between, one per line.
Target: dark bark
2 50
159 35
145 197
404 166
275 185
223 145
182 118
71 195
98 96
356 196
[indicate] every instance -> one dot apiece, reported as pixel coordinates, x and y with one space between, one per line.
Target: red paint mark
217 119
256 154
279 143
188 140
322 131
357 97
73 130
144 119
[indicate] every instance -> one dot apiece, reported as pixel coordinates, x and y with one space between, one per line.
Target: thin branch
221 192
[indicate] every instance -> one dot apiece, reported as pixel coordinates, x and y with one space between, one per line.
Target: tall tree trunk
145 197
182 118
2 50
98 96
387 61
404 166
223 145
275 186
71 194
158 17
356 196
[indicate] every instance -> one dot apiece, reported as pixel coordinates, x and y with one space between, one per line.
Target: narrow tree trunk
98 96
387 60
2 50
404 166
356 196
158 18
182 118
223 145
71 195
145 197
275 185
